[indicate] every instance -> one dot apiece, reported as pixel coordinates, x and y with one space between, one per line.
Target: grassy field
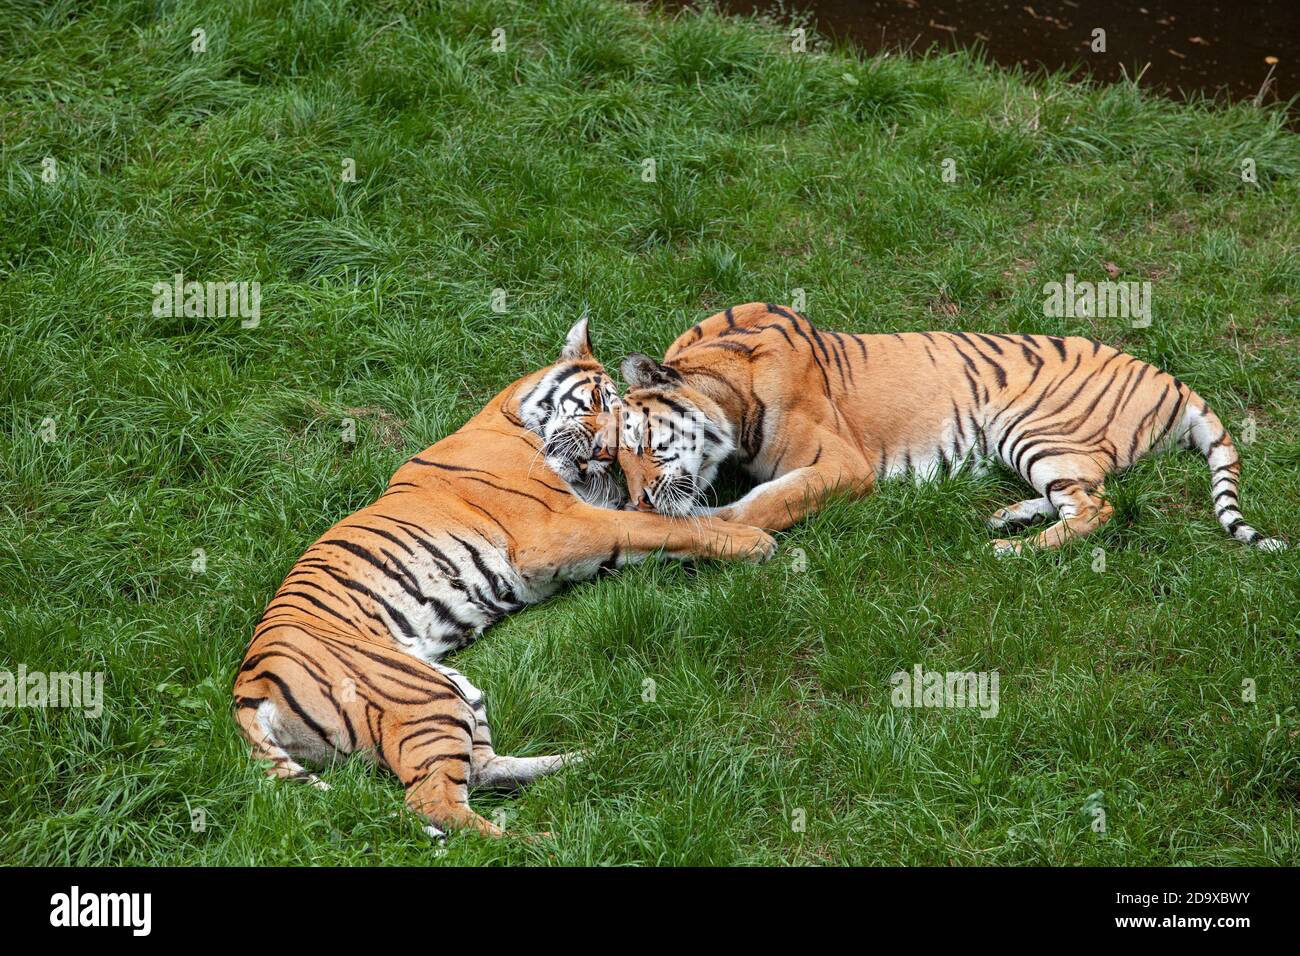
130 442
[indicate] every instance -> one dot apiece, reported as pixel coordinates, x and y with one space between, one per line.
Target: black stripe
324 607
400 619
998 372
500 589
292 701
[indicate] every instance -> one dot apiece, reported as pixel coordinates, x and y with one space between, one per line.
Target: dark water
1205 46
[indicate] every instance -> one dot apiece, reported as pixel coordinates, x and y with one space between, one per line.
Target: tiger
482 523
313 695
808 412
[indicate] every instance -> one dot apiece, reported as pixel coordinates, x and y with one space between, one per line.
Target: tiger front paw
763 547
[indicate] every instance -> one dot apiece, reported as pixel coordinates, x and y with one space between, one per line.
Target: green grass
520 170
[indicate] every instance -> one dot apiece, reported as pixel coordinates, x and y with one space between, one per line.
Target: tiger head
674 438
573 406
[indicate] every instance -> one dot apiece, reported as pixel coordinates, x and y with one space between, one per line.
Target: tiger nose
602 453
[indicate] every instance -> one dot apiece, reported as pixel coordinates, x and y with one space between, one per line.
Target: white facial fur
681 453
574 409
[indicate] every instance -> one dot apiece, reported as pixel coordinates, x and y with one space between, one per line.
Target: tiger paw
998 520
763 548
433 833
1002 547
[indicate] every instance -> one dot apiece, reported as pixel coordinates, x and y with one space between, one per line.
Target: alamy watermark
75 908
1105 300
977 690
213 299
77 689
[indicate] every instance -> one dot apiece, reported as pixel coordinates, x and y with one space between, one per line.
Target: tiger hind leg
431 756
442 798
439 756
1082 511
1021 513
253 716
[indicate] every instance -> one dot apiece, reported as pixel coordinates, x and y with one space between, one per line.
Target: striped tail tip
1232 523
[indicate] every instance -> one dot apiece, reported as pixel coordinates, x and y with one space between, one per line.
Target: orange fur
472 528
809 412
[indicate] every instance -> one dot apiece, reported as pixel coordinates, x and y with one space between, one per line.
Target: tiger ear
577 344
641 371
